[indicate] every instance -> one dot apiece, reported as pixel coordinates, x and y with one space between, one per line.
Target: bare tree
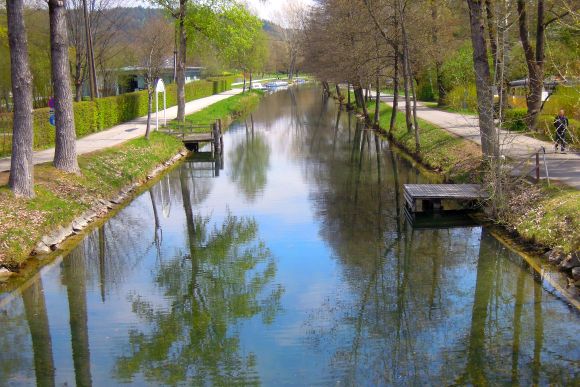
21 167
65 153
154 47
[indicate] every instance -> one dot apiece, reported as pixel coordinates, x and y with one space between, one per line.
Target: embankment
544 219
66 204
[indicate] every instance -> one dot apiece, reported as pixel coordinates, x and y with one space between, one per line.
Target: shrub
515 119
462 98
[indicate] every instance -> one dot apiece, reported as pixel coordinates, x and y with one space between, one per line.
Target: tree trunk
150 92
377 104
21 167
489 144
65 151
181 58
244 88
251 79
349 103
339 94
535 63
415 121
395 92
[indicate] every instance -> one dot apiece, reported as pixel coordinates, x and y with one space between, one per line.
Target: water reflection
250 161
294 266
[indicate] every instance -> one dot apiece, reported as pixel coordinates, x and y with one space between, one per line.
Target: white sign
160 88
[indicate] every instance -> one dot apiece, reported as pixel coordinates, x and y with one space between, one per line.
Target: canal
292 265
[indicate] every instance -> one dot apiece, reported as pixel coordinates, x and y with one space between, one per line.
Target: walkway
124 132
562 167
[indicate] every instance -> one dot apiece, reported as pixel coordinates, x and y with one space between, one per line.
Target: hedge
102 113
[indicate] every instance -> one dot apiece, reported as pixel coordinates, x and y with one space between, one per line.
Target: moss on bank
61 197
545 215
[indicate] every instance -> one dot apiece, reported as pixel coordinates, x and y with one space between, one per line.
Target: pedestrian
561 125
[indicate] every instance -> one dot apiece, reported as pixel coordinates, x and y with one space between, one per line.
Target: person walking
561 125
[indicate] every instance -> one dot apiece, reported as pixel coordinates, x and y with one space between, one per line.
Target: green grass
553 219
231 108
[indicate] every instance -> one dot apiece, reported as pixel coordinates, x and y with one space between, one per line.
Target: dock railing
536 171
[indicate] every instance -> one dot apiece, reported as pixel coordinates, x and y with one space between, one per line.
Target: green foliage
103 113
458 69
462 97
426 89
515 120
565 97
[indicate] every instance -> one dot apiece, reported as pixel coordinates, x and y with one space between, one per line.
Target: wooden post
221 136
216 138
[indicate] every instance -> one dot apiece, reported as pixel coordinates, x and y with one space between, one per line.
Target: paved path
562 167
123 132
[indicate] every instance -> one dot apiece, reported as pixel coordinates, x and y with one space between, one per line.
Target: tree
489 140
153 47
21 167
535 58
65 152
241 40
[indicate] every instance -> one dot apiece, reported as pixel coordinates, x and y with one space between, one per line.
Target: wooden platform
431 195
196 137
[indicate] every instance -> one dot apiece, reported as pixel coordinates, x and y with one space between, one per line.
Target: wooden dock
431 195
196 135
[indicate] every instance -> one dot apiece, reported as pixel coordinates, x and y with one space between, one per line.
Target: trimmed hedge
103 113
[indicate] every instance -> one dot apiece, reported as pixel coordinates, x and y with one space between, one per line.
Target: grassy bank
545 215
61 197
226 110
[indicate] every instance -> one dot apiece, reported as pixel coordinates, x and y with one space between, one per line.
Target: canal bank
544 219
295 263
66 204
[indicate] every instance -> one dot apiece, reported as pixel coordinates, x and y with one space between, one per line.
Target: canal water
292 265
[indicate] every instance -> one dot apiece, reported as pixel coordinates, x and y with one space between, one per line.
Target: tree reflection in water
249 162
223 277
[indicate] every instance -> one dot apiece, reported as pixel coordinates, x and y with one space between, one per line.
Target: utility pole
90 54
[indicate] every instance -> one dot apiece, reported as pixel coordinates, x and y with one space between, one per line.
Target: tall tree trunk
415 120
535 63
339 94
489 143
65 151
251 80
181 59
349 103
21 167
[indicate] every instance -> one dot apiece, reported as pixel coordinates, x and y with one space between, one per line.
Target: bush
103 113
462 98
515 119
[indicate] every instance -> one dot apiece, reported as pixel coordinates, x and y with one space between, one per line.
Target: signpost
160 88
